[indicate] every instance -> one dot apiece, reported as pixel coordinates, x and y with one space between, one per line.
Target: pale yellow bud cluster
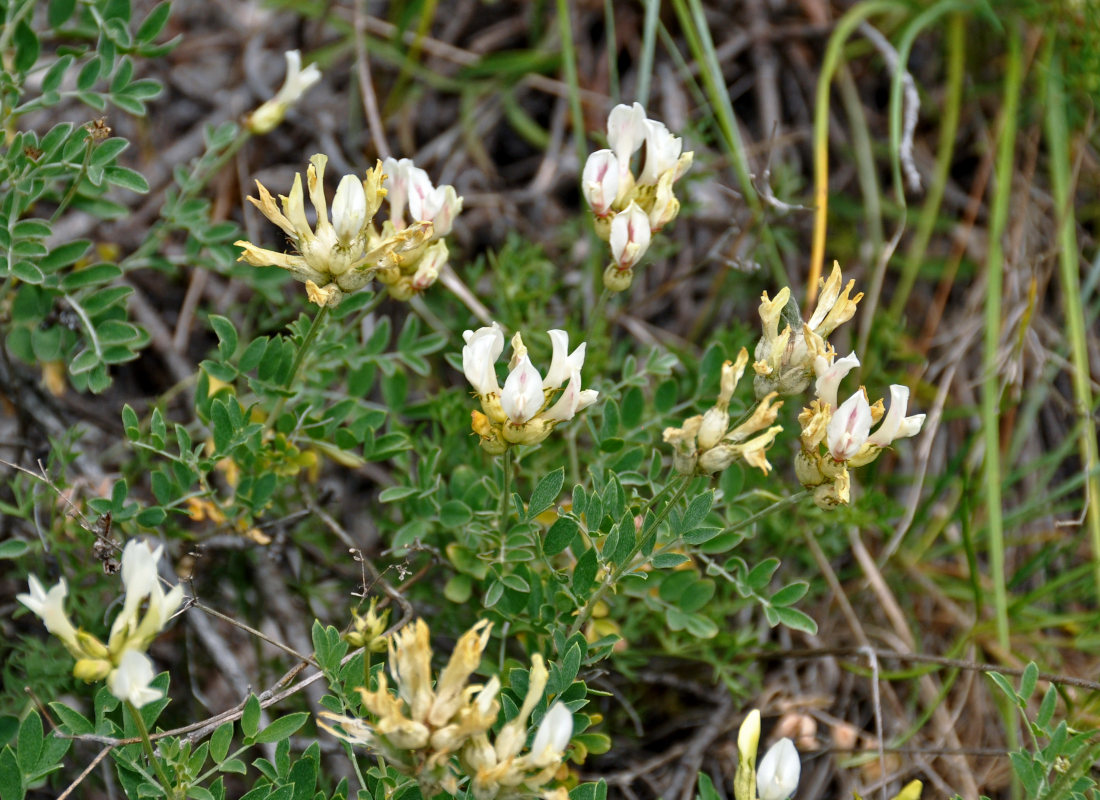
784 361
706 443
366 630
629 209
439 734
146 610
340 255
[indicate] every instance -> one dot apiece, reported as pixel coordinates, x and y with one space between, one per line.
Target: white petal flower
131 679
829 376
396 184
349 209
438 206
522 396
562 366
479 356
50 607
895 425
630 236
779 770
572 400
132 628
600 181
297 82
553 734
626 130
849 426
662 151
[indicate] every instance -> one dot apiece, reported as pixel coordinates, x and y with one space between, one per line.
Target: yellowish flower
336 256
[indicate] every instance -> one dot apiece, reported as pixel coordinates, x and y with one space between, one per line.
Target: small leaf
13 548
226 333
282 728
560 535
124 176
584 573
250 717
546 492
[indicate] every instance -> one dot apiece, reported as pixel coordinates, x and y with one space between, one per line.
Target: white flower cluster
122 662
629 209
845 430
439 734
525 410
343 255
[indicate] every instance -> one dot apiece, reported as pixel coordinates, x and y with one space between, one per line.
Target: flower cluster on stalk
342 255
706 444
836 436
529 405
784 362
146 609
629 209
439 734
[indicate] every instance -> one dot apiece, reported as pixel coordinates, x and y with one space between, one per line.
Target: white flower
553 734
600 181
829 376
296 83
626 130
662 151
133 630
400 175
479 355
524 410
895 425
630 236
349 209
849 427
50 607
438 206
779 770
131 679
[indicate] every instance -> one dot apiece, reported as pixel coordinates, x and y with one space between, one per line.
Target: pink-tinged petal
600 181
420 187
849 426
522 396
479 356
829 376
397 188
629 236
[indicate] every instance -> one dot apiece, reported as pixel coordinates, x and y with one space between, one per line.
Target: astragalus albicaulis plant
376 378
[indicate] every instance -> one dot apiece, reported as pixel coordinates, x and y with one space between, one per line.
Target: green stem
569 66
299 358
1058 142
649 46
778 505
991 389
162 776
505 495
616 572
89 146
596 320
